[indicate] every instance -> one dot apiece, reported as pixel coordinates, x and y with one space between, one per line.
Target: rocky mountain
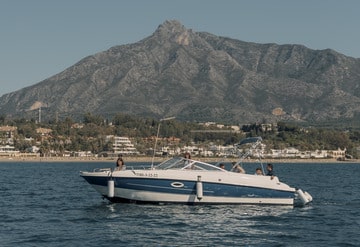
199 76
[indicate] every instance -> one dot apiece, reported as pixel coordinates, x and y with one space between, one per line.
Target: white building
33 149
7 150
122 145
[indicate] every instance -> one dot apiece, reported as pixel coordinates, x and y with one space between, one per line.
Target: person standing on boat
258 171
120 165
238 168
187 158
270 170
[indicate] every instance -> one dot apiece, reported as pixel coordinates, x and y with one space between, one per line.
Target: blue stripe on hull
189 188
125 200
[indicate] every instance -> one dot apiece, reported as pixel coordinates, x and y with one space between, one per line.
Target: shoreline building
122 145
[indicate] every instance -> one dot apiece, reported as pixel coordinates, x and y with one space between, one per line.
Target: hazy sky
40 38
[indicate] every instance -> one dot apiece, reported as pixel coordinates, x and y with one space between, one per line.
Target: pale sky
40 38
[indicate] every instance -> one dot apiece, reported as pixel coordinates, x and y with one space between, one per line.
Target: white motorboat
188 181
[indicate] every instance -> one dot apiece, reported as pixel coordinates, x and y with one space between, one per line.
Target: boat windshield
178 163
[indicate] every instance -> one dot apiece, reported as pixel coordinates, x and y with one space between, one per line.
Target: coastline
160 159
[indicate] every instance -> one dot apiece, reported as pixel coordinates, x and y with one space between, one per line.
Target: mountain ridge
198 76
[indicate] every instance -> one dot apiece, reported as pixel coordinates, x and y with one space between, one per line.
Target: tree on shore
89 135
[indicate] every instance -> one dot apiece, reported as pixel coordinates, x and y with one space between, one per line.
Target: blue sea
49 204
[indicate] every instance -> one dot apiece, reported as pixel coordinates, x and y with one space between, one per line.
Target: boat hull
134 196
162 187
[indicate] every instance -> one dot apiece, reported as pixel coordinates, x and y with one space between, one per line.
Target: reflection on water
194 223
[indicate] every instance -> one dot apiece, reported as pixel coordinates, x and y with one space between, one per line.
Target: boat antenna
157 136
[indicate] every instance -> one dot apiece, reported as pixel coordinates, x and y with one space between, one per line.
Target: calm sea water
49 204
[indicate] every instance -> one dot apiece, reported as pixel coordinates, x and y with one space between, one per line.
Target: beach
160 159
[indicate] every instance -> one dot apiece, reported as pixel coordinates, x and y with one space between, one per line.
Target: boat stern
303 196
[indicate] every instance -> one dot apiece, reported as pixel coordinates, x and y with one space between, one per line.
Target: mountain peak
172 26
173 30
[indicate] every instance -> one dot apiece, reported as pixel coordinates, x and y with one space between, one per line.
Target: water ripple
48 204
